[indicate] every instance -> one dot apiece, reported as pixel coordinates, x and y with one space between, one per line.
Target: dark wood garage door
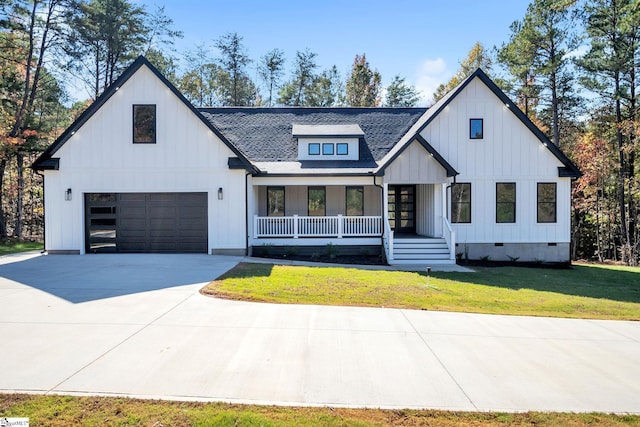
146 222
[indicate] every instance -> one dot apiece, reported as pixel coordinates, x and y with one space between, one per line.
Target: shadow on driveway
82 278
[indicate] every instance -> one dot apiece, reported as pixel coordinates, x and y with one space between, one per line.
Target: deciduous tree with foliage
610 67
30 33
478 57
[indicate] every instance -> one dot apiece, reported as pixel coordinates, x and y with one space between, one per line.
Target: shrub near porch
584 291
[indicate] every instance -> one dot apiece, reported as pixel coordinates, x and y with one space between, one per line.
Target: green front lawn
584 291
61 411
15 247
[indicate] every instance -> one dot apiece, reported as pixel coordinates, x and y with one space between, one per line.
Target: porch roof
315 168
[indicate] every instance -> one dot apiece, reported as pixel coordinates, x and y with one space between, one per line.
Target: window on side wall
355 201
314 149
547 202
275 201
461 203
476 128
505 202
144 124
317 198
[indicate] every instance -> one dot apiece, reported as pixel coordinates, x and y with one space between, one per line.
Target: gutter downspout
381 211
246 212
44 213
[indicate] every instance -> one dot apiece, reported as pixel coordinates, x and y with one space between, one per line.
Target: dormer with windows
328 142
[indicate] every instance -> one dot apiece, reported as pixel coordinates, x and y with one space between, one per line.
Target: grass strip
583 291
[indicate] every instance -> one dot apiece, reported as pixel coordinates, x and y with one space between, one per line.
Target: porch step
420 250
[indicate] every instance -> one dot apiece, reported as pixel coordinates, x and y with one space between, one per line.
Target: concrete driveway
135 325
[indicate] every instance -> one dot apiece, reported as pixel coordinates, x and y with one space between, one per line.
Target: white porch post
295 226
340 228
385 203
444 201
255 226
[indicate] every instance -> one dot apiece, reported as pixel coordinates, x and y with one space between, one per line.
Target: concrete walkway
135 325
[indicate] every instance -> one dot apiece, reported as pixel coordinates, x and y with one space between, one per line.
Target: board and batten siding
508 152
101 157
415 165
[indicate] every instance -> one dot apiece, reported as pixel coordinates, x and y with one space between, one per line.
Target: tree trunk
17 232
3 219
624 230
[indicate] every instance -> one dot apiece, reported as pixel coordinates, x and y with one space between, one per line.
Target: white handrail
387 242
449 237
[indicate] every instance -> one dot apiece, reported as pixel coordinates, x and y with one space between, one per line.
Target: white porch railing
449 236
316 226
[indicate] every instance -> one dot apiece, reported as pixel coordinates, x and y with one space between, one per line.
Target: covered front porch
407 222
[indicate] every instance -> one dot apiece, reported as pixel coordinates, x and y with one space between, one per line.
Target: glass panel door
402 208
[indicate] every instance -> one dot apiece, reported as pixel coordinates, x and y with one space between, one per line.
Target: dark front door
402 208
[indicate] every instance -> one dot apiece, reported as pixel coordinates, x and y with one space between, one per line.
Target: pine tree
271 70
363 85
400 94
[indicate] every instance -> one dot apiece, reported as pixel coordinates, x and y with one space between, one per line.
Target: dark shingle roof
264 134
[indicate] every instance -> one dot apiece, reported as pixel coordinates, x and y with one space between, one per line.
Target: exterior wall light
67 194
220 193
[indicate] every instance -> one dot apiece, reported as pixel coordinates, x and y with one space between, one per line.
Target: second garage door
146 222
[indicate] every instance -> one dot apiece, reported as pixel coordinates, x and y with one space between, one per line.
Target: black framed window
327 149
317 201
505 202
144 124
275 201
476 128
461 203
547 202
314 149
355 201
342 149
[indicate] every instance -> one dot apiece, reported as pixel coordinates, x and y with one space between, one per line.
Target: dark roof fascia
307 175
52 164
441 160
298 136
110 91
571 169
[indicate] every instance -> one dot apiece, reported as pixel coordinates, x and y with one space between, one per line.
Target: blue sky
423 41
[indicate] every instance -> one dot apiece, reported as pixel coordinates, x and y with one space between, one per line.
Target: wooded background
569 65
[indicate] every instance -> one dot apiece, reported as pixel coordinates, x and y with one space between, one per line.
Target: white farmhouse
143 170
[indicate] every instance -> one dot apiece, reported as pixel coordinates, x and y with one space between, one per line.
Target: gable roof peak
44 160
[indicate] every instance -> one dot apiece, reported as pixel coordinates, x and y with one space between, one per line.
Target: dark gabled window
505 202
461 203
327 149
547 205
342 149
355 201
314 149
144 124
476 128
275 201
317 198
